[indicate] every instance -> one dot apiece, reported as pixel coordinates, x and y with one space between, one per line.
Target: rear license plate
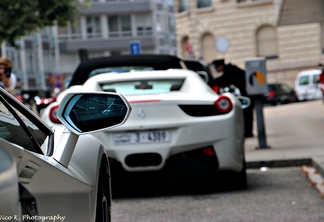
159 136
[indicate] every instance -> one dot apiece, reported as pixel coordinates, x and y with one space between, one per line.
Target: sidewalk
295 135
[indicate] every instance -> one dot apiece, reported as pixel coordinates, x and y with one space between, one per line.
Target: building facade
109 26
251 30
35 61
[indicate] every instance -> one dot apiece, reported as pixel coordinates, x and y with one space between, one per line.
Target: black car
201 68
123 63
280 93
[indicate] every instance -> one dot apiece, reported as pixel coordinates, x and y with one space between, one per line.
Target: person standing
8 79
233 75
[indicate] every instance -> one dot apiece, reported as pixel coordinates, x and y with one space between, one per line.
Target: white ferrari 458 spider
178 122
66 171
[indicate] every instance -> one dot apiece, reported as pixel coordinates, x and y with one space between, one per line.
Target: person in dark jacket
233 75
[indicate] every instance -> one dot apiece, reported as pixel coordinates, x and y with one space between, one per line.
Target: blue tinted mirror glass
92 112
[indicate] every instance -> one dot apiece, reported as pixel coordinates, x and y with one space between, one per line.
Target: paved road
278 194
294 131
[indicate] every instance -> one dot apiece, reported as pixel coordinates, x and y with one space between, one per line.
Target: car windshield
120 69
144 86
303 80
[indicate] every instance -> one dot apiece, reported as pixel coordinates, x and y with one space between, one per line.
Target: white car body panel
8 186
43 176
68 191
161 112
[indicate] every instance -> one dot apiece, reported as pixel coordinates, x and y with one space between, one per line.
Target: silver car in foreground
16 200
66 171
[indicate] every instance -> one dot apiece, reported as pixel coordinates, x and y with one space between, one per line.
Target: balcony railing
247 3
120 34
144 32
95 35
68 37
252 1
71 37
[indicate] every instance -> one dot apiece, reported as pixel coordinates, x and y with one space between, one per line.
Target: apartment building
251 30
109 26
35 61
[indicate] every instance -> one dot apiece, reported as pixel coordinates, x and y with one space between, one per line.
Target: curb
316 162
278 163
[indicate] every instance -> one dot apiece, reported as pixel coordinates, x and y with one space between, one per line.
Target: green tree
22 17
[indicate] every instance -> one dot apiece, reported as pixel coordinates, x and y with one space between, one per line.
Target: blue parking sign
135 47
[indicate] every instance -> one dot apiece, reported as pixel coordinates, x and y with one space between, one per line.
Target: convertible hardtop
197 65
157 62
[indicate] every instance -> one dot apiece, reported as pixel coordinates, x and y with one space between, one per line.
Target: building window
126 25
203 3
93 27
208 51
267 42
161 23
119 26
143 24
183 6
171 24
76 29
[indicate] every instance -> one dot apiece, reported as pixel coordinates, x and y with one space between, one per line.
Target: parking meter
255 76
256 87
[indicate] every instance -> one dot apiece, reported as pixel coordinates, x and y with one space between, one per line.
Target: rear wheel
103 213
241 179
230 180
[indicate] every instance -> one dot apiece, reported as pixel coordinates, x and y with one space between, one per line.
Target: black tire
279 102
103 209
229 180
242 178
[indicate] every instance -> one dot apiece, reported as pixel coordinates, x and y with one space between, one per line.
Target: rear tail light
271 94
215 88
209 151
53 114
224 104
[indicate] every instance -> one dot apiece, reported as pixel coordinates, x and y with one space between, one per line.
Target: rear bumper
184 169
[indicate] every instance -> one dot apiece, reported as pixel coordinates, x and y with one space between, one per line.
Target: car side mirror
245 101
91 112
203 75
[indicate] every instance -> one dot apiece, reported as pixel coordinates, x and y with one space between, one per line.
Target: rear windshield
120 69
139 87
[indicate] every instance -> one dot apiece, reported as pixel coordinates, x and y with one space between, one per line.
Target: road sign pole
258 102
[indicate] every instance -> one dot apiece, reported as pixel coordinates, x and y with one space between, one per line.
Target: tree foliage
22 17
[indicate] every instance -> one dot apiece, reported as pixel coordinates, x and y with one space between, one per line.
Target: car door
44 177
317 92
